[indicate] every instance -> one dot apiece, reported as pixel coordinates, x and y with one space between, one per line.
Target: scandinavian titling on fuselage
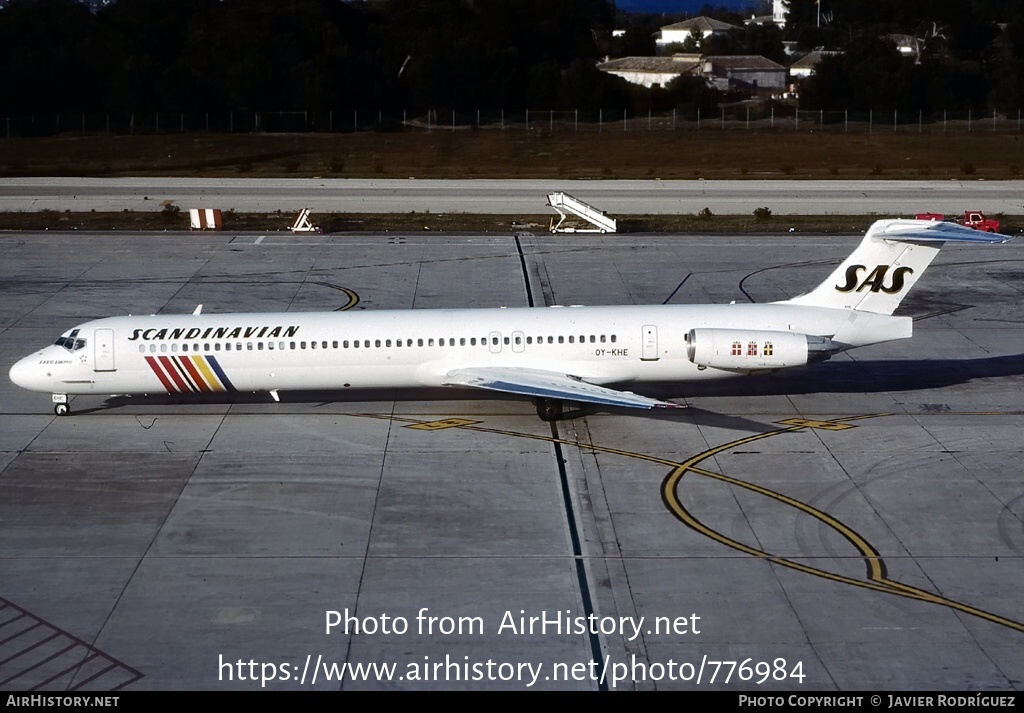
554 354
186 333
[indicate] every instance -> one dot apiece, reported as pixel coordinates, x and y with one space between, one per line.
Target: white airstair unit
303 224
564 204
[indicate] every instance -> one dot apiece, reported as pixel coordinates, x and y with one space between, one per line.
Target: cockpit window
70 342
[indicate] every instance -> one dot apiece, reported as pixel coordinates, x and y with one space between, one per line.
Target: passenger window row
492 340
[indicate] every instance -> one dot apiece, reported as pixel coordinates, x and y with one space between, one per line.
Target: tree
691 95
48 50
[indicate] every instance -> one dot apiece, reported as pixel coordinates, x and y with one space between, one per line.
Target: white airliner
550 354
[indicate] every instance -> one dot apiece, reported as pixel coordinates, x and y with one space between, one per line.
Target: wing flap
549 385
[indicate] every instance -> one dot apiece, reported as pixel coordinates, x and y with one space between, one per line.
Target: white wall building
699 28
651 71
805 66
779 11
752 73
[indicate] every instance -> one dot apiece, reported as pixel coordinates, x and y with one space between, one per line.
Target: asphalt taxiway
855 525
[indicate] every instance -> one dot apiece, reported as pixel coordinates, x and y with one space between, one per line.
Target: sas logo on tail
875 280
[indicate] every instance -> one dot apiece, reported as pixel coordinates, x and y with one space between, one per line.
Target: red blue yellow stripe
190 374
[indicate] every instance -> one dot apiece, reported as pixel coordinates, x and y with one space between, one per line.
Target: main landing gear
549 409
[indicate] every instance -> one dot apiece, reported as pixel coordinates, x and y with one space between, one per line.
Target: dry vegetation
379 222
685 153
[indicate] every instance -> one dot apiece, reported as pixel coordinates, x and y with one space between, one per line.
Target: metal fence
749 117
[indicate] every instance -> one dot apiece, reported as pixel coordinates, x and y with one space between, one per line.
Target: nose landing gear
60 404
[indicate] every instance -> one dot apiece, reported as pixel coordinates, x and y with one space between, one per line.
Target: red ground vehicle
971 218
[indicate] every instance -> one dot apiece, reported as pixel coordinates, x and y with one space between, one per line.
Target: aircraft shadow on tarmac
855 377
839 377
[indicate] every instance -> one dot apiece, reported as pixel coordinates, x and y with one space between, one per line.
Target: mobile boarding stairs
565 204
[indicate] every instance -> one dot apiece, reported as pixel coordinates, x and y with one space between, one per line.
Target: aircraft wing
549 385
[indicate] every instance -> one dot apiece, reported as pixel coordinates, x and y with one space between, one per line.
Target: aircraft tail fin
887 263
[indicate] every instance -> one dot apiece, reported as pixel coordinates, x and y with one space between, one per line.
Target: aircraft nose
23 374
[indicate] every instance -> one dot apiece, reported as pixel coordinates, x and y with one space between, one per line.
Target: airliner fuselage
549 354
409 348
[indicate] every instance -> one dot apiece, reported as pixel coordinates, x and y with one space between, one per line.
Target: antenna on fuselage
198 309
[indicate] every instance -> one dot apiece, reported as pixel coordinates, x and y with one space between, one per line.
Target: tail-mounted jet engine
754 350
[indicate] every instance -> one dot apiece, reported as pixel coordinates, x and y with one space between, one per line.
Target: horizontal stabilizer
931 231
549 385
